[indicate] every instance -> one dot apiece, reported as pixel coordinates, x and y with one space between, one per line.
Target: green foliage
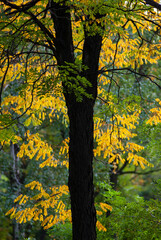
7 134
134 220
61 232
6 130
73 81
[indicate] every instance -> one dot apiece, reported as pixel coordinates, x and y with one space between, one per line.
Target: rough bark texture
81 124
81 172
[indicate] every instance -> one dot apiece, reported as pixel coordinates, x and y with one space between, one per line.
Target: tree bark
81 171
81 123
81 147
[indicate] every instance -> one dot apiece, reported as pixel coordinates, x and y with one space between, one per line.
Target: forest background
50 83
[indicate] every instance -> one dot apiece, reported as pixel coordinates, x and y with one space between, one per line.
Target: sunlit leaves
42 203
114 138
155 117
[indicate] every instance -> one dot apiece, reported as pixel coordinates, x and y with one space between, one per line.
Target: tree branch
153 4
134 72
23 8
141 173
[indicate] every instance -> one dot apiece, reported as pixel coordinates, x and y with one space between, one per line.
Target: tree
71 53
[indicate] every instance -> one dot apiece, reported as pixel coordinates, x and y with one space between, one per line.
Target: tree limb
153 4
141 173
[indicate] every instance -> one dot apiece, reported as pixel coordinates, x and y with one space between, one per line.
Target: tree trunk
81 121
81 146
81 171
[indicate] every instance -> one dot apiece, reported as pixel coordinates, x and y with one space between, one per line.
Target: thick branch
122 168
153 4
91 54
62 23
49 36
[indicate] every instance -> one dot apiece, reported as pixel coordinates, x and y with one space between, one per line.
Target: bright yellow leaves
127 52
155 114
33 185
104 207
121 47
122 43
100 227
42 204
23 199
113 139
11 211
35 147
44 200
20 2
34 106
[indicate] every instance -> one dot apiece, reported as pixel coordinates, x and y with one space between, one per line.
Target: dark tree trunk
81 123
81 172
81 147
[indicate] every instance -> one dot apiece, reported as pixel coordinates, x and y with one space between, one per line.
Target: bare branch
149 77
141 173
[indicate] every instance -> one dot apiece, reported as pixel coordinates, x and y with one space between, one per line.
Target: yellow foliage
155 117
99 213
10 211
18 198
105 207
23 199
51 201
100 227
113 138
